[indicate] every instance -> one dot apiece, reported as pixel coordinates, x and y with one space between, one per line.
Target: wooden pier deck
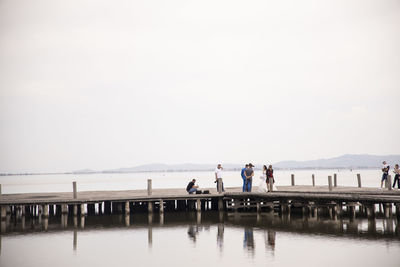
308 198
298 192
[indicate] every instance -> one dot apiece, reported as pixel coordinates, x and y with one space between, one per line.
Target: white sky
109 84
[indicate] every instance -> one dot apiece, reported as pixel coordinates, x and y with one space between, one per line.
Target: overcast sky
109 84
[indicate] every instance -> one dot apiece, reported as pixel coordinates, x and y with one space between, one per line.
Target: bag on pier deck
206 192
198 192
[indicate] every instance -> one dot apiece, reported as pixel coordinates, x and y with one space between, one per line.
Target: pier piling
330 183
335 180
75 194
313 179
149 187
292 176
359 180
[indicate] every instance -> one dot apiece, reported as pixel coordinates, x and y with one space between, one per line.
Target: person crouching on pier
191 187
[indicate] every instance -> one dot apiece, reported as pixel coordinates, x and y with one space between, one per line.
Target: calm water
131 181
187 239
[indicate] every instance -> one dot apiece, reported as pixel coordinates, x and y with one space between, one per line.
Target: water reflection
192 232
269 239
266 225
248 239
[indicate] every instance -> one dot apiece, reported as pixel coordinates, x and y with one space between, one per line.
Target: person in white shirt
218 174
385 172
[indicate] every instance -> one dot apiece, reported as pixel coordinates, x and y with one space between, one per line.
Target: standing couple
247 176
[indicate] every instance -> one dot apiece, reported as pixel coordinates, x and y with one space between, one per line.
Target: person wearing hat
244 177
218 174
249 173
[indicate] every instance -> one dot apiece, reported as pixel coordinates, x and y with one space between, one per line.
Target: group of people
247 174
385 173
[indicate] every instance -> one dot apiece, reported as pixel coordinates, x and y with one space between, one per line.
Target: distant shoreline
194 170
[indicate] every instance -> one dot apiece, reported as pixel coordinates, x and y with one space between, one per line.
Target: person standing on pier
244 177
249 173
270 174
396 176
218 174
385 172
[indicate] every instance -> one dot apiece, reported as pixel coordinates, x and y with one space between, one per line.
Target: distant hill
159 167
345 161
348 161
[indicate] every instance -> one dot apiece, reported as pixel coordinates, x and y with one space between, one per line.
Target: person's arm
216 176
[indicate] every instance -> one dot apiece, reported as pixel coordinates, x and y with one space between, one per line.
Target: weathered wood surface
292 192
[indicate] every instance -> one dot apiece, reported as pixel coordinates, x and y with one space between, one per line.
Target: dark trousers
396 179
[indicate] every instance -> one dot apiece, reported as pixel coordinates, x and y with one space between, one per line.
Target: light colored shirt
218 172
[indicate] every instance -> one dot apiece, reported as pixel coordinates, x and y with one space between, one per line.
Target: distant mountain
159 167
345 161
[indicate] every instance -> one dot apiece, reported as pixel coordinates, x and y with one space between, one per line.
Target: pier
308 200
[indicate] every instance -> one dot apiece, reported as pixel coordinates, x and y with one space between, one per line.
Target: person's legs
383 179
192 190
244 185
249 185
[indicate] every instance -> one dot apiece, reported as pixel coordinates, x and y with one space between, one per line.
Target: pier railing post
313 179
271 184
335 180
359 179
219 183
149 187
292 179
389 182
74 190
330 183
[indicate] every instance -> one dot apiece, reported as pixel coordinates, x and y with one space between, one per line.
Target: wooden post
83 210
0 190
359 179
46 210
330 183
198 204
127 208
258 207
64 208
313 179
150 206
3 212
335 180
219 184
149 188
389 182
292 179
74 190
161 206
371 210
75 210
220 204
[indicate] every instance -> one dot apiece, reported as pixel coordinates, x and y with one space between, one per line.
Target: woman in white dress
262 187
